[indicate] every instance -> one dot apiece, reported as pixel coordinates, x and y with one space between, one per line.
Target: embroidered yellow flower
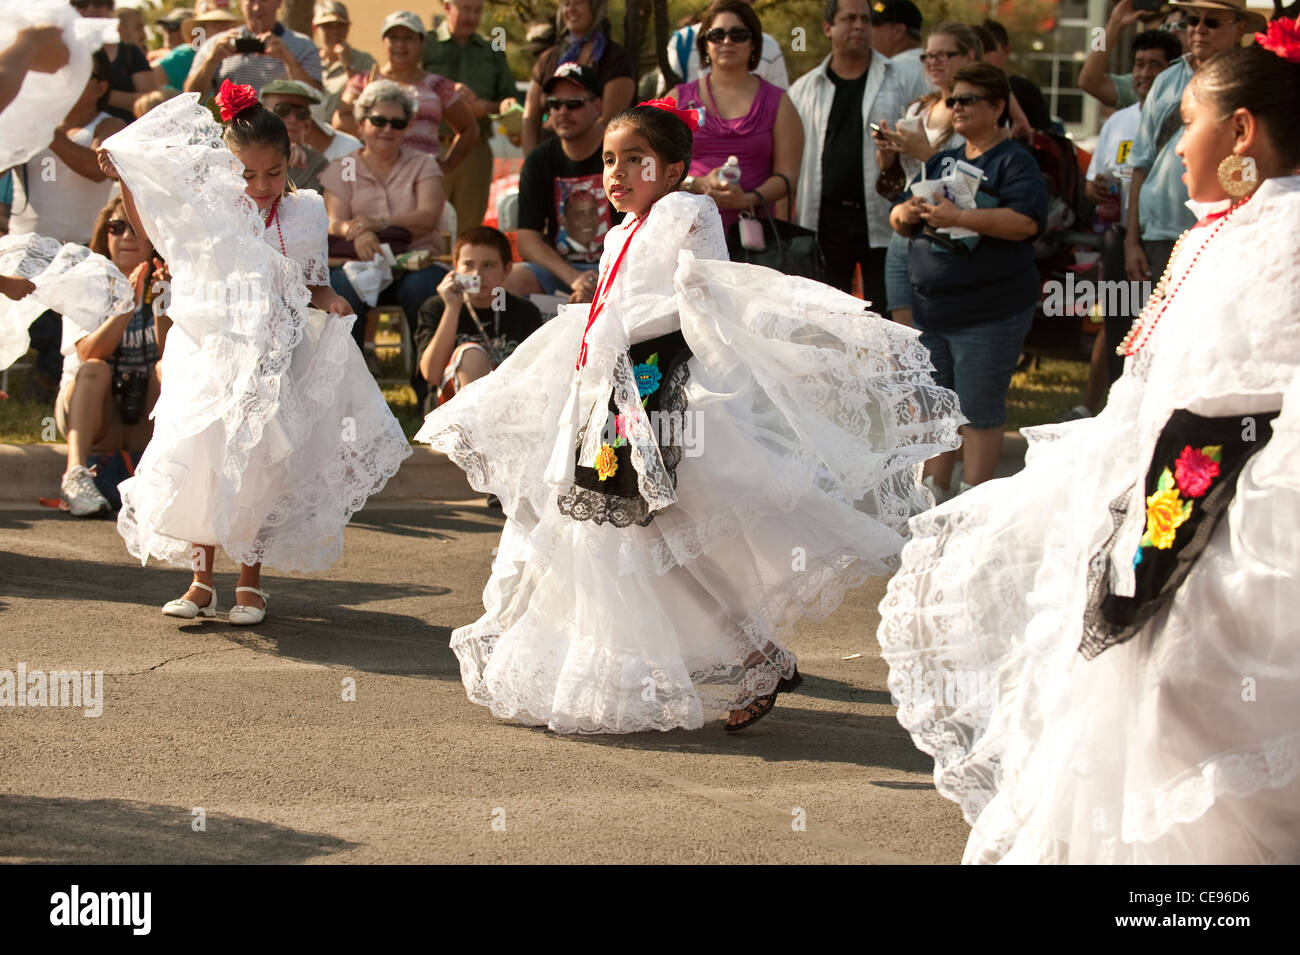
1166 511
606 462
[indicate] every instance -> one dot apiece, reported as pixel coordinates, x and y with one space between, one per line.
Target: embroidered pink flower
623 426
1196 468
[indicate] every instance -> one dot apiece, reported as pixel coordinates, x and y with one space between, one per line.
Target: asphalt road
246 730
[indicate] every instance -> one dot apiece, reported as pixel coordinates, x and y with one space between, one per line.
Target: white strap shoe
242 616
188 609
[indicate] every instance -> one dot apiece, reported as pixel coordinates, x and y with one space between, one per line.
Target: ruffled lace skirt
804 422
1181 745
329 444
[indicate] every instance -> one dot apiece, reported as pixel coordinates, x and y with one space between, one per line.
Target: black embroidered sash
617 499
1189 486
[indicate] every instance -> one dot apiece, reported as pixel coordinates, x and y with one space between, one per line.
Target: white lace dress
1182 743
269 432
801 422
83 287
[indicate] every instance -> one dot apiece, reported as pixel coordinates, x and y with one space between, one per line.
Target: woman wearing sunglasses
436 98
949 48
385 193
110 375
974 305
744 116
584 38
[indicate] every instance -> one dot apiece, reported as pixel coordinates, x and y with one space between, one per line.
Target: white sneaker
940 495
81 494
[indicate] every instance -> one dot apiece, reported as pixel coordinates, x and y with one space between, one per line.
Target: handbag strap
780 246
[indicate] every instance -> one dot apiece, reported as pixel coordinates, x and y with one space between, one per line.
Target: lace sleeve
706 238
309 246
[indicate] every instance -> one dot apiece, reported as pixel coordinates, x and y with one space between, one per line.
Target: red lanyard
602 290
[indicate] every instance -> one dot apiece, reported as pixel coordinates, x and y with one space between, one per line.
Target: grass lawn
1044 392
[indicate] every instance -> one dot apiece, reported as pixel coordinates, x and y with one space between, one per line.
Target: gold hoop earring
1237 176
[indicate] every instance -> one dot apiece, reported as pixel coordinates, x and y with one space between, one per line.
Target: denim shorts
977 362
898 286
550 283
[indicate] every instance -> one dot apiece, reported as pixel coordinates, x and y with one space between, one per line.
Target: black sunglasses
87 4
735 35
379 122
965 99
941 54
118 227
300 112
1211 23
571 102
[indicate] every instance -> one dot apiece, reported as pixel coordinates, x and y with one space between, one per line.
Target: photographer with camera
473 324
110 377
260 51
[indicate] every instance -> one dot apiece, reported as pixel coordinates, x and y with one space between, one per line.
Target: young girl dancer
1101 652
269 431
706 454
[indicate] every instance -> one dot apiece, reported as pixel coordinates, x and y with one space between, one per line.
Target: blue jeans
898 284
977 362
409 290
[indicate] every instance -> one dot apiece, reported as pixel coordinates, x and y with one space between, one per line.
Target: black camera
131 389
249 44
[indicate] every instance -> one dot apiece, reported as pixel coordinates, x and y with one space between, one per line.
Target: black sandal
760 706
757 708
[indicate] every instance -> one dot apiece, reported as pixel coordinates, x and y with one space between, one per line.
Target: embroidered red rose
1196 468
1283 38
233 99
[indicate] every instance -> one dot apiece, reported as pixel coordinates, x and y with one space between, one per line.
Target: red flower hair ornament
693 118
1283 38
233 99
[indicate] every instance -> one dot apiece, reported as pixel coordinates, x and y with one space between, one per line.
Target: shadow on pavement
790 733
306 623
119 831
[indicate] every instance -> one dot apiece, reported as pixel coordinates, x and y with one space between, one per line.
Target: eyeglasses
1211 23
553 103
298 112
379 122
735 35
965 99
1180 27
940 54
118 227
87 4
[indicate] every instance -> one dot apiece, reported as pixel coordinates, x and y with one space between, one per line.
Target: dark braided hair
256 126
1255 79
669 137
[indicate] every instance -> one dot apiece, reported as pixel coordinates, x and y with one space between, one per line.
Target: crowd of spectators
399 144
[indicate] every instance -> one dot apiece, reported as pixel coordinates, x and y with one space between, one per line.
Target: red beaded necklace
1145 325
274 213
603 284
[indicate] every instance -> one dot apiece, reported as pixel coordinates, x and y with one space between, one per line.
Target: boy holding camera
473 323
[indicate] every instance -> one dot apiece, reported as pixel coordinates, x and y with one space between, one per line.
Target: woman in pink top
437 99
744 116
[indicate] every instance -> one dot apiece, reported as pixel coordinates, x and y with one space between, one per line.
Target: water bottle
730 171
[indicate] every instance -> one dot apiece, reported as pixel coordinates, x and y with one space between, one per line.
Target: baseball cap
402 18
173 19
896 11
329 12
584 76
291 88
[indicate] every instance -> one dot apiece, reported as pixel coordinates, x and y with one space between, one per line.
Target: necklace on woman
1158 303
274 213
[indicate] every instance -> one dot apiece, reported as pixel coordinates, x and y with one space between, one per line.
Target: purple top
748 138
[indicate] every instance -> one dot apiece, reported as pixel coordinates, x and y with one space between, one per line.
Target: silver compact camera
471 284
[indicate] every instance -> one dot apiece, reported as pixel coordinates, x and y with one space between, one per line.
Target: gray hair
383 91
